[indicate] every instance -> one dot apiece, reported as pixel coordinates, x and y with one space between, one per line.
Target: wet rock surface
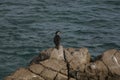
70 64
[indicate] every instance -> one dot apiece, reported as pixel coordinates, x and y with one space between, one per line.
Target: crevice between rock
55 76
67 65
36 73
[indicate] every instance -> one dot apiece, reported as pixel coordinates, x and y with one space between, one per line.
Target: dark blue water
28 26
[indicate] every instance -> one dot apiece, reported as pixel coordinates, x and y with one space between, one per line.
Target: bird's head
57 32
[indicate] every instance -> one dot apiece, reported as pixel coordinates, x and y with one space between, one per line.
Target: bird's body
57 40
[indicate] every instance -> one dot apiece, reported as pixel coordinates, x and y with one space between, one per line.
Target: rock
55 65
95 69
77 59
70 64
23 74
45 54
57 54
111 59
36 68
106 66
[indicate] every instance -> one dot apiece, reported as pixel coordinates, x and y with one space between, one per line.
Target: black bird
57 39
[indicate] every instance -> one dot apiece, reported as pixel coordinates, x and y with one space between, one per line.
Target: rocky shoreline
70 64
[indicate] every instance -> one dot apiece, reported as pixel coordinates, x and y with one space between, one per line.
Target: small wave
97 21
90 47
109 45
16 21
112 2
13 3
18 47
84 32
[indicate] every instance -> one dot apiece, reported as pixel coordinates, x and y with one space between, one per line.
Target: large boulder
96 70
105 67
111 59
52 64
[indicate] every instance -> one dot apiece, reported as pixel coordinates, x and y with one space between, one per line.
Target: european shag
57 39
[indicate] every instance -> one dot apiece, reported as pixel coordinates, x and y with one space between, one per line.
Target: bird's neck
57 34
